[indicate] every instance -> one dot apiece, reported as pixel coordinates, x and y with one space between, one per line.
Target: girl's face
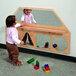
27 11
15 22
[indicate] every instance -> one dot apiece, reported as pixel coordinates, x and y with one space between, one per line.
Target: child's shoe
18 63
31 43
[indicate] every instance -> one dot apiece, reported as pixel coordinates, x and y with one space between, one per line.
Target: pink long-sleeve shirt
12 35
28 18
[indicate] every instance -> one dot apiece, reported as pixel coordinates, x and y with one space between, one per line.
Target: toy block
35 67
47 68
37 62
46 45
55 45
37 46
31 60
46 65
47 71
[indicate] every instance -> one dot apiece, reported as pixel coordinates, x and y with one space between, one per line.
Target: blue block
46 65
37 65
54 45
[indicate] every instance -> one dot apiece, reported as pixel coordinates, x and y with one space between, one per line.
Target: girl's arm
33 20
15 39
18 25
22 18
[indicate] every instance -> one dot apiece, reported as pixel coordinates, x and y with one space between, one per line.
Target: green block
37 62
38 46
47 43
31 60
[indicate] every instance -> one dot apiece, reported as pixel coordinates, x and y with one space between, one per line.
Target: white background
65 9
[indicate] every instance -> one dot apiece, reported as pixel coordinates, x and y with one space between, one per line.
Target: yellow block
47 71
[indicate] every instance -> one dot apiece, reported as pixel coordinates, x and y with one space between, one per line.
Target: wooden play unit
49 34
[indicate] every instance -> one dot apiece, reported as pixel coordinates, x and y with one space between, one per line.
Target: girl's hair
26 10
10 20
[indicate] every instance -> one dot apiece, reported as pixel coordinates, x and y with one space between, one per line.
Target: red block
35 67
47 68
46 46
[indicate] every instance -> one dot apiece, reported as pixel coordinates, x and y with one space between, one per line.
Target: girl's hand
22 24
22 42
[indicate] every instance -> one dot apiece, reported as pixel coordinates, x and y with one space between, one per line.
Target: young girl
12 40
27 17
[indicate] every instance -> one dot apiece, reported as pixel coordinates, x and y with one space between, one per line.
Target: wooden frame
52 31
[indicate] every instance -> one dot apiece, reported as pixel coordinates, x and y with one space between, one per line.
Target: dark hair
10 20
26 10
